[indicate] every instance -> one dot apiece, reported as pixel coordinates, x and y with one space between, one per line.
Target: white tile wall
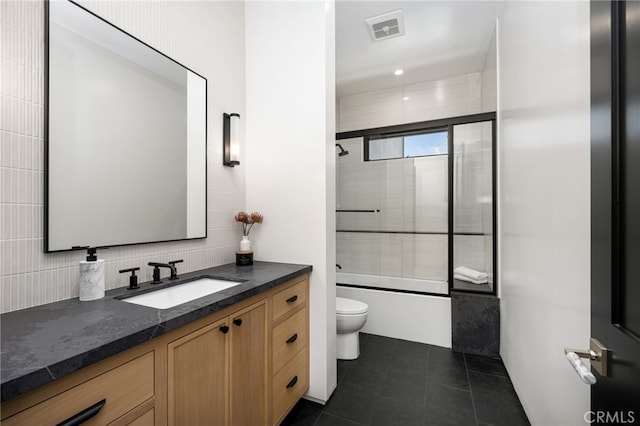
432 100
443 98
183 31
490 77
368 110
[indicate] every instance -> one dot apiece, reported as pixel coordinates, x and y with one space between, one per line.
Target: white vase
245 243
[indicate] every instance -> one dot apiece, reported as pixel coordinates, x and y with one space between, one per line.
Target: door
197 377
615 207
248 365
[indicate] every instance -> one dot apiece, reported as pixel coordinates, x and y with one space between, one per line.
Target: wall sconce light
231 139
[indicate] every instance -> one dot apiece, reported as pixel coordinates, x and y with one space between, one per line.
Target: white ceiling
443 39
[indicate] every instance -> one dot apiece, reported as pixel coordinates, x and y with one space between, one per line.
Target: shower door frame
494 210
426 126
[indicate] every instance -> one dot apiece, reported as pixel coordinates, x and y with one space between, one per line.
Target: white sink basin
182 293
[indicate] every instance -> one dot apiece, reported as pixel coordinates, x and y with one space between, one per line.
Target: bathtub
407 316
393 283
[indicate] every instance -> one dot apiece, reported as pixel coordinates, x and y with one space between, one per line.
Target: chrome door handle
599 356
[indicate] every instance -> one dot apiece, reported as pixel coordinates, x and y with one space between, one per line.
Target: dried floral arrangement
248 220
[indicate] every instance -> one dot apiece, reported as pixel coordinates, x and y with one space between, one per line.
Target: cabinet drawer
289 384
147 419
122 388
288 299
288 338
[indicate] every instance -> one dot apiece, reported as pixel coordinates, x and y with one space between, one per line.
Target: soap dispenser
91 277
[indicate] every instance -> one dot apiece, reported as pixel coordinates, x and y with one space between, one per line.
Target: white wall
207 37
544 236
290 167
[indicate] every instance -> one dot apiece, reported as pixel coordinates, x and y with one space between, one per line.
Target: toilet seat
346 306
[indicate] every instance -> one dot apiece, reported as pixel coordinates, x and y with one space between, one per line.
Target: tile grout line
424 403
489 374
386 374
473 402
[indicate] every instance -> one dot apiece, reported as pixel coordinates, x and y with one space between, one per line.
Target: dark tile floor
396 382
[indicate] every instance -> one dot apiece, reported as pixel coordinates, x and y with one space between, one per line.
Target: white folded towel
470 280
470 275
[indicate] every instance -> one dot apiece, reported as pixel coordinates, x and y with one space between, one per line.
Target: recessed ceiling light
406 98
398 72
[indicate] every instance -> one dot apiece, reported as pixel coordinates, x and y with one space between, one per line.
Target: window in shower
396 197
420 144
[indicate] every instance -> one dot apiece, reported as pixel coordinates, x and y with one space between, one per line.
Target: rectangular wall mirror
125 137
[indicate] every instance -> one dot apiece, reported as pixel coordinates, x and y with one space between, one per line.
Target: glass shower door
473 207
392 213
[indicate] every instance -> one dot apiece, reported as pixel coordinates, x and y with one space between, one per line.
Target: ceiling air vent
387 25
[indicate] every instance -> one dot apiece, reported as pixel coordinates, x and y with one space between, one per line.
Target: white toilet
351 315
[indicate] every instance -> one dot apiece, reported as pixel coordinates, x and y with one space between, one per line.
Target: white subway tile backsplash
30 277
5 217
21 292
5 301
5 149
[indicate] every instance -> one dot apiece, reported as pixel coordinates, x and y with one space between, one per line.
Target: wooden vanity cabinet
290 348
217 374
245 365
117 391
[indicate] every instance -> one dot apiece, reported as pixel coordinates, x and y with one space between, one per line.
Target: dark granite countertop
47 342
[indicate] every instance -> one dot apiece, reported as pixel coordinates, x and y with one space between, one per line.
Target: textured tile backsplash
181 30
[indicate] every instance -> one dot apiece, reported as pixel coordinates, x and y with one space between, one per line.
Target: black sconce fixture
231 139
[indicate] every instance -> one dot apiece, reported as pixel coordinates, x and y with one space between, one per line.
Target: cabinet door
198 378
248 365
